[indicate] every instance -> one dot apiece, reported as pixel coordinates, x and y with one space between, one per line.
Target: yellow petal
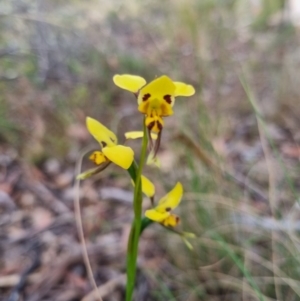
183 89
159 91
171 221
154 123
97 157
157 106
138 134
120 155
156 216
101 133
148 187
134 135
132 83
171 200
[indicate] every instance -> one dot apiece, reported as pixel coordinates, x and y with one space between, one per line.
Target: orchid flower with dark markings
111 151
155 99
162 212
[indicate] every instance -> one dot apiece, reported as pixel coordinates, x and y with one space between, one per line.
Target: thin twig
106 288
78 219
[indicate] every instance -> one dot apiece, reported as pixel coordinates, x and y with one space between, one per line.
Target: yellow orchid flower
111 151
162 212
155 99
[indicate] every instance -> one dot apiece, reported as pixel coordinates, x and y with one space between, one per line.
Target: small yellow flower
162 212
110 149
155 99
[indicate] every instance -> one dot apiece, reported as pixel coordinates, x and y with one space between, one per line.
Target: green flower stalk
133 242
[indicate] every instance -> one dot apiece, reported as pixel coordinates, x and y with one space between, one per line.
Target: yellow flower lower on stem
162 213
110 149
155 99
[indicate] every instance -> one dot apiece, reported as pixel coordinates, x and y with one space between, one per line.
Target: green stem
135 172
145 223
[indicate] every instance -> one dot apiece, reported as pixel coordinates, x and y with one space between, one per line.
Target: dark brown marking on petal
157 144
159 125
151 125
168 99
150 140
103 143
146 96
152 201
168 209
113 140
177 219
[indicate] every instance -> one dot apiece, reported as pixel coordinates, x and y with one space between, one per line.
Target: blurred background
234 145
